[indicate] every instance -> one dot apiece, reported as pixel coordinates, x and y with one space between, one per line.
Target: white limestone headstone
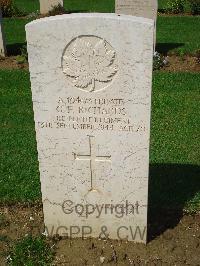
91 92
138 8
47 5
2 39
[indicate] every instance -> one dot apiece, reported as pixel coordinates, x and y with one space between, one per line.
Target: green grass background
175 147
174 34
79 5
19 168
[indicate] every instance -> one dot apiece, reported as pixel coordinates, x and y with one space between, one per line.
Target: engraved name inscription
77 113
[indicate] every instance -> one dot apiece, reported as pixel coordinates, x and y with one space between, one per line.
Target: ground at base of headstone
12 63
174 240
182 64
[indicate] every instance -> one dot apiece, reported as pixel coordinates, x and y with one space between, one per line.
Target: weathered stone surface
46 5
91 90
2 38
138 8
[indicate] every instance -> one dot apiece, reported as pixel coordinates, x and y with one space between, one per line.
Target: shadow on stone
170 187
164 48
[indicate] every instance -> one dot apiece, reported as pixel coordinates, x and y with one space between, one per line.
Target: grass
28 6
15 30
19 169
163 5
175 146
31 251
77 5
104 6
174 34
175 153
175 123
178 34
15 34
72 5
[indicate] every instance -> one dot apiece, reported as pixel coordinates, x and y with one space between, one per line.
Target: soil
176 64
178 244
11 63
182 64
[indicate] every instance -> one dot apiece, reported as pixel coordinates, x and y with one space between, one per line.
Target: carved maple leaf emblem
88 63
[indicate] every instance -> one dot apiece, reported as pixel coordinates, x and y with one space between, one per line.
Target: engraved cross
92 158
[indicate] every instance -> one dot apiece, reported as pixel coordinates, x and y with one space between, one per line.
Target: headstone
91 92
47 5
2 40
138 8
